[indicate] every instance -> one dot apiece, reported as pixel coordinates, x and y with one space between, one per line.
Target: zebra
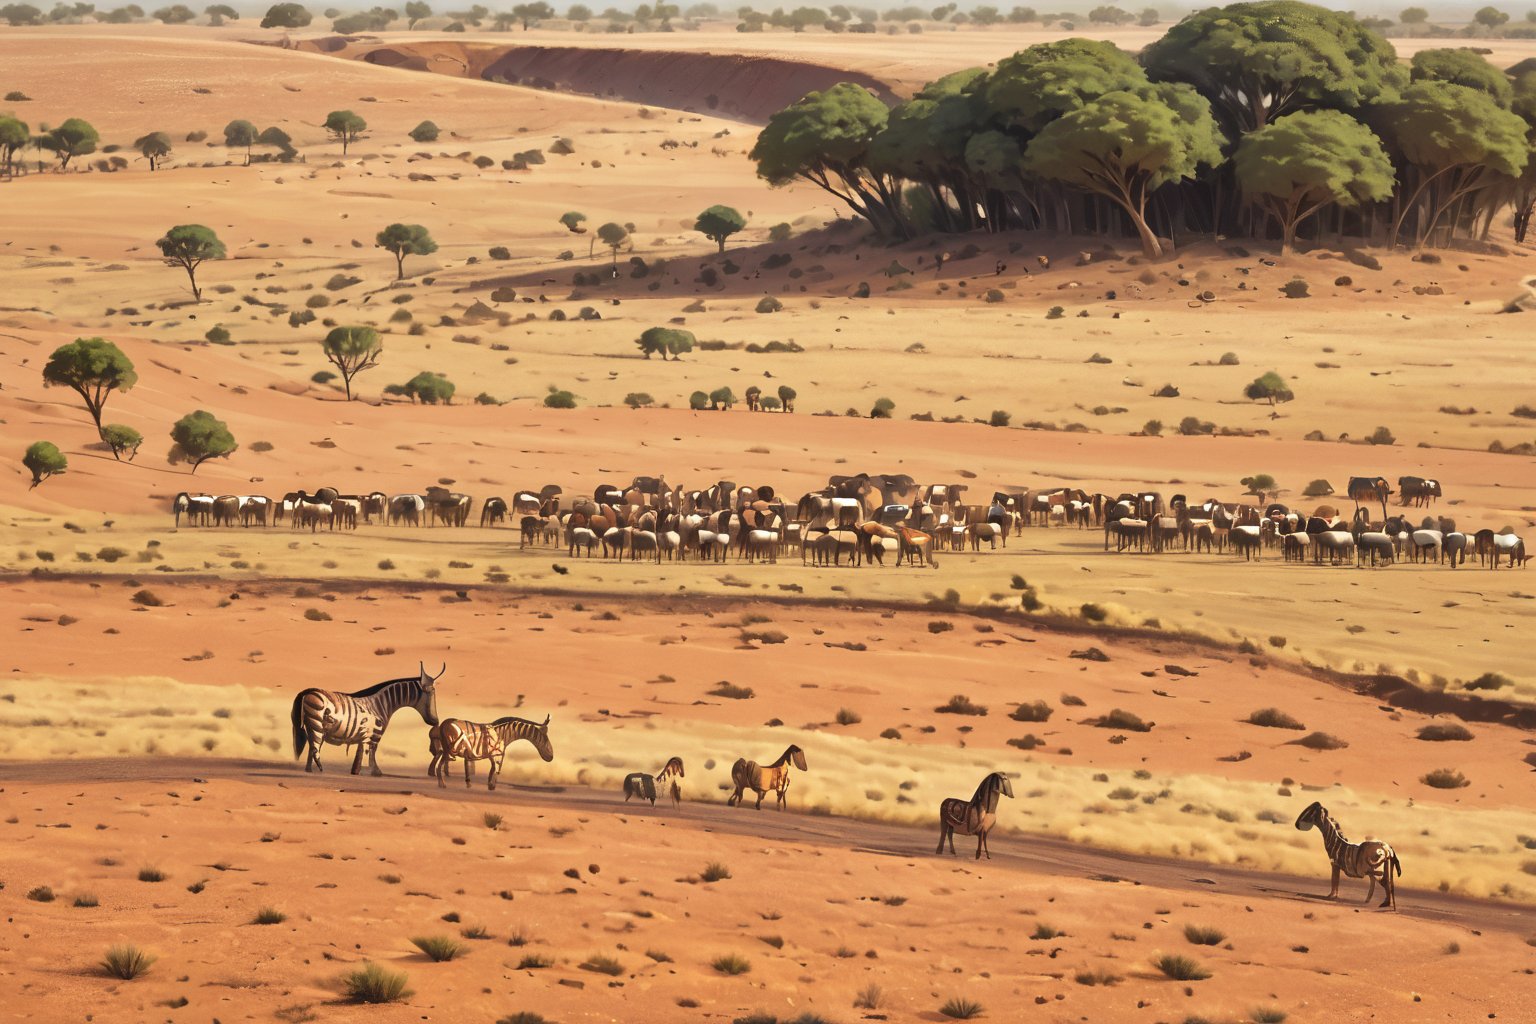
321 716
975 818
454 737
761 778
1371 859
645 786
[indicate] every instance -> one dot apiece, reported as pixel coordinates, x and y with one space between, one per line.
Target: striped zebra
455 737
639 784
1371 859
324 716
975 818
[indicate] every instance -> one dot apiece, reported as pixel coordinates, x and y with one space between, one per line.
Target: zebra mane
376 687
509 719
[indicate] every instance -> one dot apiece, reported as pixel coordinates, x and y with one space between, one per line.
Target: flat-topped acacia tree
719 223
405 240
154 147
345 127
93 368
240 133
188 246
75 137
352 350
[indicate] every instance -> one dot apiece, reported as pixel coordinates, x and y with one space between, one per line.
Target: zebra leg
981 844
314 753
372 742
1371 889
357 761
468 771
1333 893
943 831
760 794
490 782
1389 887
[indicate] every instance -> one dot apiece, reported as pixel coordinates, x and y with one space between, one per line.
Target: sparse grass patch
1442 732
534 962
86 900
1033 711
151 875
40 894
493 821
870 997
1180 968
731 964
658 956
1445 778
127 962
525 1017
598 963
1119 718
374 984
1097 976
1274 718
477 932
1321 741
1044 931
269 915
714 871
1267 1015
960 704
438 948
732 691
961 1008
1202 936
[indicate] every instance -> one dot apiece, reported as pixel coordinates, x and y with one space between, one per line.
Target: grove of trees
1275 119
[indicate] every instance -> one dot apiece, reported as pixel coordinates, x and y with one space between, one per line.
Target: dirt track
1024 854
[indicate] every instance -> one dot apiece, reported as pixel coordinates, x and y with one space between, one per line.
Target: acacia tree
154 147
415 10
241 133
1524 105
615 237
14 134
200 436
93 368
122 439
73 138
218 14
719 223
405 240
572 220
352 350
188 246
43 459
1126 145
1260 485
1300 163
1271 387
665 340
286 15
345 127
1461 66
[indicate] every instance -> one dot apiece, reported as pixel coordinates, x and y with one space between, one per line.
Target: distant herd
321 716
888 519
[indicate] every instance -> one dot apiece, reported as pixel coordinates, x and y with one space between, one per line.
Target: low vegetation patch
1180 968
1201 936
1441 732
438 948
714 871
1321 741
126 962
1097 976
1122 719
1034 711
960 704
1445 778
961 1008
731 964
269 915
1274 718
374 984
601 964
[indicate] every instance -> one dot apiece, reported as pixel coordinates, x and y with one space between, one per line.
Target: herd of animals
359 719
868 519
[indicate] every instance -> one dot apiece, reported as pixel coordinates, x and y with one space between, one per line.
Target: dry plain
181 706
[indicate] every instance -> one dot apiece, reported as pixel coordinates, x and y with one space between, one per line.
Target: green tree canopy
1413 16
279 140
218 14
1271 388
719 223
154 147
1490 17
93 368
698 400
1256 61
44 459
345 127
1037 85
1126 145
1299 163
21 14
176 14
241 134
1260 485
825 139
286 16
573 221
722 398
426 131
14 134
122 439
532 13
352 350
665 340
429 389
405 240
615 237
188 246
1458 141
415 10
71 139
200 436
1461 66
558 398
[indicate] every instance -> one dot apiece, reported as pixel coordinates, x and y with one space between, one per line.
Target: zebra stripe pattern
472 741
1372 859
762 778
639 784
324 716
974 817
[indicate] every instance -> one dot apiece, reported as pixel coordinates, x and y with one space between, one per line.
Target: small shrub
1044 932
847 716
961 1008
1204 936
1442 732
492 820
658 956
438 948
731 964
1180 968
732 691
1097 976
1228 359
86 900
1321 741
41 894
151 875
714 871
1274 718
1093 613
940 626
1267 1015
126 962
1121 719
1152 428
534 962
1034 711
1295 288
1445 778
1055 313
476 932
375 984
524 1017
870 997
600 964
960 704
1381 435
1489 681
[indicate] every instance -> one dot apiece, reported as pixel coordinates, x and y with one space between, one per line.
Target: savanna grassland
151 666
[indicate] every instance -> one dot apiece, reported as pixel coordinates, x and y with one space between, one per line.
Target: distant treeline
1268 120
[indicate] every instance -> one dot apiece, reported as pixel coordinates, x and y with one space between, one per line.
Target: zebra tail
1397 865
300 736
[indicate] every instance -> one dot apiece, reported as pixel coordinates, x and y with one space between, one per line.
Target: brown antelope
762 778
975 818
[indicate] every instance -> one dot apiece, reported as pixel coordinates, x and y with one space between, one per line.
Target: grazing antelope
975 818
762 778
916 547
639 784
1371 859
455 737
324 716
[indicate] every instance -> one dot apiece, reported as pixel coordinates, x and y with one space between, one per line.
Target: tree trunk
197 295
722 245
399 266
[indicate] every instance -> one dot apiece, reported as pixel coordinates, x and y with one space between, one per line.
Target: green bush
375 984
558 399
44 460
